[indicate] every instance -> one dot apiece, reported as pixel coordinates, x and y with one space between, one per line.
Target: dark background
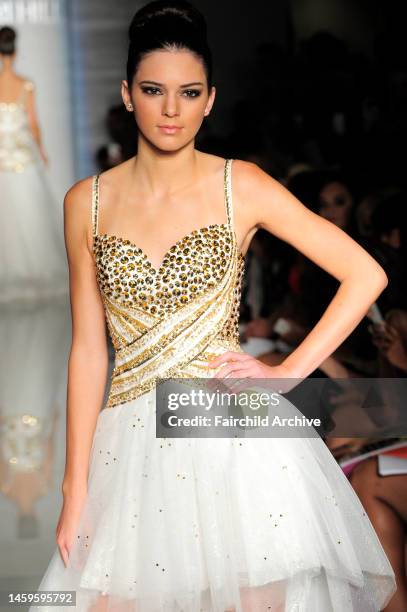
322 81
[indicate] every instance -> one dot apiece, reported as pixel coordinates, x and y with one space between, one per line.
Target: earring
130 107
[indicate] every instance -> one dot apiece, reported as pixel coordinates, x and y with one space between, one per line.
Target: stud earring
130 107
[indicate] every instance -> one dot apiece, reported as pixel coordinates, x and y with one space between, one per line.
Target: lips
169 129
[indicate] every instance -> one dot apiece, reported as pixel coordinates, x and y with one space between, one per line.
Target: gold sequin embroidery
163 321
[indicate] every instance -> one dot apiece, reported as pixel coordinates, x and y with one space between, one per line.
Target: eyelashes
156 91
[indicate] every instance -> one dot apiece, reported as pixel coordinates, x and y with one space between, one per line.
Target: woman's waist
165 359
199 366
133 379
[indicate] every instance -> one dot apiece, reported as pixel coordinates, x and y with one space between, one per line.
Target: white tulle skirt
215 524
33 264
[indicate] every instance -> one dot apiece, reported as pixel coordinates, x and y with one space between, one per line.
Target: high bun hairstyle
7 40
165 24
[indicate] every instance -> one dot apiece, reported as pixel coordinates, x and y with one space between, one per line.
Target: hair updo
7 40
166 24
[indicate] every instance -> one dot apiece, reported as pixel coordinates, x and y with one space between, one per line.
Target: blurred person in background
388 245
391 340
269 262
122 135
385 500
32 258
310 288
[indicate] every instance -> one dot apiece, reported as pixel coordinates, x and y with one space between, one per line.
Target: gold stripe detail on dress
118 324
161 352
185 312
153 350
228 191
147 364
95 204
167 343
128 320
124 390
151 346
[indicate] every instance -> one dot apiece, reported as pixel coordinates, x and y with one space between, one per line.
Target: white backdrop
42 56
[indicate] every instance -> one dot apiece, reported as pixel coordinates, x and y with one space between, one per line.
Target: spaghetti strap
95 204
228 192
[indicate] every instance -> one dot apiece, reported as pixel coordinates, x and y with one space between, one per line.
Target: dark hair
306 186
334 175
163 24
7 40
390 214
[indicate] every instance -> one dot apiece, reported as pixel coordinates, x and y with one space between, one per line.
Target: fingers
228 356
64 553
241 373
240 384
235 370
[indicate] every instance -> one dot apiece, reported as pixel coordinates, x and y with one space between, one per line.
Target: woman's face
335 203
169 97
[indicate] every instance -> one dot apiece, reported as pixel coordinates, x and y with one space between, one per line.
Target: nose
170 106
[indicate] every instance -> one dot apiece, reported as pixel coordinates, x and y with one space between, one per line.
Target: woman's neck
164 173
7 65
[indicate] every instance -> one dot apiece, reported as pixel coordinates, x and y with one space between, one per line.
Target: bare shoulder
79 193
112 180
212 165
29 85
77 210
26 82
248 176
254 192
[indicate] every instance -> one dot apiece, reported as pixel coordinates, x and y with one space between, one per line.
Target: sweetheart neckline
188 235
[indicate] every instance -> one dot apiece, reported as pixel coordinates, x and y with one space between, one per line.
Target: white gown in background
32 256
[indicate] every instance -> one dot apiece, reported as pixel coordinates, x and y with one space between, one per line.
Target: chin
169 143
168 147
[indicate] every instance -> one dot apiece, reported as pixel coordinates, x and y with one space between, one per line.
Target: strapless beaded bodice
169 321
17 147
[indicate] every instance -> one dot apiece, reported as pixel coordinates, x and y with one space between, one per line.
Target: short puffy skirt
216 524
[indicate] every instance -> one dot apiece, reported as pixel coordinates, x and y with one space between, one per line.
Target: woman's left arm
264 203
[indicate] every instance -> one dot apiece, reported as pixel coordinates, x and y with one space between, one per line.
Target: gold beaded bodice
169 321
17 146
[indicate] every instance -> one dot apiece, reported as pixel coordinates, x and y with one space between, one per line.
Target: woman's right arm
88 358
33 119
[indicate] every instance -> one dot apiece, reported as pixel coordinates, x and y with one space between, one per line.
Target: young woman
32 259
151 523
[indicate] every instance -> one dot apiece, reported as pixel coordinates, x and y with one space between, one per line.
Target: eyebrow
161 84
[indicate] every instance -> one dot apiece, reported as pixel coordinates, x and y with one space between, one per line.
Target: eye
192 93
151 91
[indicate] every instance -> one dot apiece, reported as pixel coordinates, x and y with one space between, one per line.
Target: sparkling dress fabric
204 524
32 257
